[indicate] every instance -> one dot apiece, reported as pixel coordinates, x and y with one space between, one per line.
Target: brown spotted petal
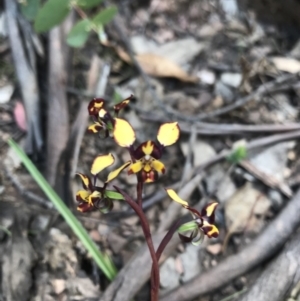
95 128
95 106
149 148
121 105
208 212
85 207
86 181
210 229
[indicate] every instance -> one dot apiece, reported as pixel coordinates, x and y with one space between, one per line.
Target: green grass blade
106 266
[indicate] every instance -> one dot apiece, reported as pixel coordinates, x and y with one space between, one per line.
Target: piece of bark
26 78
58 116
261 249
280 275
18 261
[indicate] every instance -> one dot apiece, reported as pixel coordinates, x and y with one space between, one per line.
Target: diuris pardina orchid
145 158
103 119
96 197
202 224
145 163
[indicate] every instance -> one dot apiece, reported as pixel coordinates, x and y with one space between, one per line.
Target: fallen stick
215 129
58 111
260 250
280 275
27 80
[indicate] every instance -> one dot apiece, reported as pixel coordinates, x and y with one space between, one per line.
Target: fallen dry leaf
157 65
286 64
160 66
246 209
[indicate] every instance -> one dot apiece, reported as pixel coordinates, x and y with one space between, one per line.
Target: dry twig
280 275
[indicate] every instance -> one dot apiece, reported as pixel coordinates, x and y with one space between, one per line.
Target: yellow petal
158 166
82 196
94 195
86 182
168 133
102 162
135 167
123 133
210 230
175 197
112 175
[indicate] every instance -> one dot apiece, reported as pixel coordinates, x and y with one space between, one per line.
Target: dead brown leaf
160 66
243 209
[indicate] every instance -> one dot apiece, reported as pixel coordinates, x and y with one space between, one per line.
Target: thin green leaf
30 8
105 16
113 195
79 34
51 14
101 260
88 3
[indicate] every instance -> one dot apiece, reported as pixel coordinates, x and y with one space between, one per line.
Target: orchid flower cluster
145 163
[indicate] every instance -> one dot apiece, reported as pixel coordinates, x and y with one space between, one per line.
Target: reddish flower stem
146 229
162 246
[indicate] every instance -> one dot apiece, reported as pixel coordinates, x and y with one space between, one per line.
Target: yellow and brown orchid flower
103 120
203 223
145 158
94 197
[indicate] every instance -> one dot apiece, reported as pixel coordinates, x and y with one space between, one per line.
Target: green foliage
105 16
113 195
104 263
88 3
29 9
51 14
238 154
79 33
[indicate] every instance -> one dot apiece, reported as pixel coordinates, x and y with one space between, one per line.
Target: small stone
169 278
94 234
224 91
6 93
231 79
276 198
191 262
230 8
206 76
59 285
214 249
